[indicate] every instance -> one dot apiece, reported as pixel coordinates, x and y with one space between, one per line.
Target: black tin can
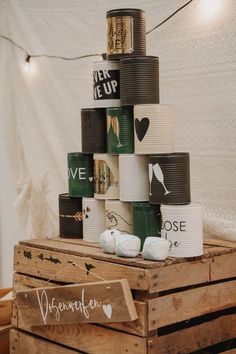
139 80
146 220
93 130
126 33
169 178
70 216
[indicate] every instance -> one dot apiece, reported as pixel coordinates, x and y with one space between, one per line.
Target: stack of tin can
128 170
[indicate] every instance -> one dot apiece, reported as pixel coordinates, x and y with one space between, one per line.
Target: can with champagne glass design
169 178
120 130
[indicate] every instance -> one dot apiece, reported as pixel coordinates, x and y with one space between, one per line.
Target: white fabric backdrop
40 111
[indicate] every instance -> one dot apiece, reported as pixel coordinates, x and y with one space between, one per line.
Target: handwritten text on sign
91 302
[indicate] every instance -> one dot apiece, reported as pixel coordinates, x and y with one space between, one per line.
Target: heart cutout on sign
141 127
107 309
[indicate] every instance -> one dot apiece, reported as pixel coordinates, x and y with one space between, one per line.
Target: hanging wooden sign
97 302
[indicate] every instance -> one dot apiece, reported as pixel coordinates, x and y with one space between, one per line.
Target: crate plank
5 306
199 271
5 339
27 344
184 305
223 267
90 338
59 266
83 249
179 275
194 338
138 327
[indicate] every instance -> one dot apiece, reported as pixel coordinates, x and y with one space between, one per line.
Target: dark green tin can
80 174
146 220
120 130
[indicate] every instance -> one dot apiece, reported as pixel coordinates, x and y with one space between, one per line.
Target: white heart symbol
107 310
90 179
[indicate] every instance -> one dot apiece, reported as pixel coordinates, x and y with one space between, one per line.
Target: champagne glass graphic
160 177
150 174
108 123
116 128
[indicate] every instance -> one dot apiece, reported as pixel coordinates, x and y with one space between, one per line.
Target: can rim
125 11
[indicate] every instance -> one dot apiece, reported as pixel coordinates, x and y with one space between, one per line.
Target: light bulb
210 8
29 66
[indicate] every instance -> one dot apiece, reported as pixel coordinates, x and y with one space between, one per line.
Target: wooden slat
223 267
5 306
5 339
138 327
179 275
184 305
218 242
27 344
90 338
58 267
84 250
88 251
194 272
194 338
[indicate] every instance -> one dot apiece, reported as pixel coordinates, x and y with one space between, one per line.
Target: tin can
80 174
93 130
120 130
169 178
70 216
139 80
106 84
146 220
126 33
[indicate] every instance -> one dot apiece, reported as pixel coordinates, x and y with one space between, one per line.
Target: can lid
172 155
77 155
144 206
125 12
139 58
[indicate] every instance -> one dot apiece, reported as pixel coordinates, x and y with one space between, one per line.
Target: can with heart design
120 130
118 216
154 127
80 174
94 219
106 176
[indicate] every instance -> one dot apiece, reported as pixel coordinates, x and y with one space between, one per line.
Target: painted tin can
169 178
94 219
80 174
139 80
106 84
93 130
154 126
146 220
120 130
182 226
70 216
106 176
118 216
126 33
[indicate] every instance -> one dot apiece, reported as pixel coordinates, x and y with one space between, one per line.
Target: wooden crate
183 305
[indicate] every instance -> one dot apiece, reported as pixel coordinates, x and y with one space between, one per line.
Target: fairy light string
29 55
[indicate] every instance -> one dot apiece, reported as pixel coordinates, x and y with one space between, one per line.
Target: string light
28 67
